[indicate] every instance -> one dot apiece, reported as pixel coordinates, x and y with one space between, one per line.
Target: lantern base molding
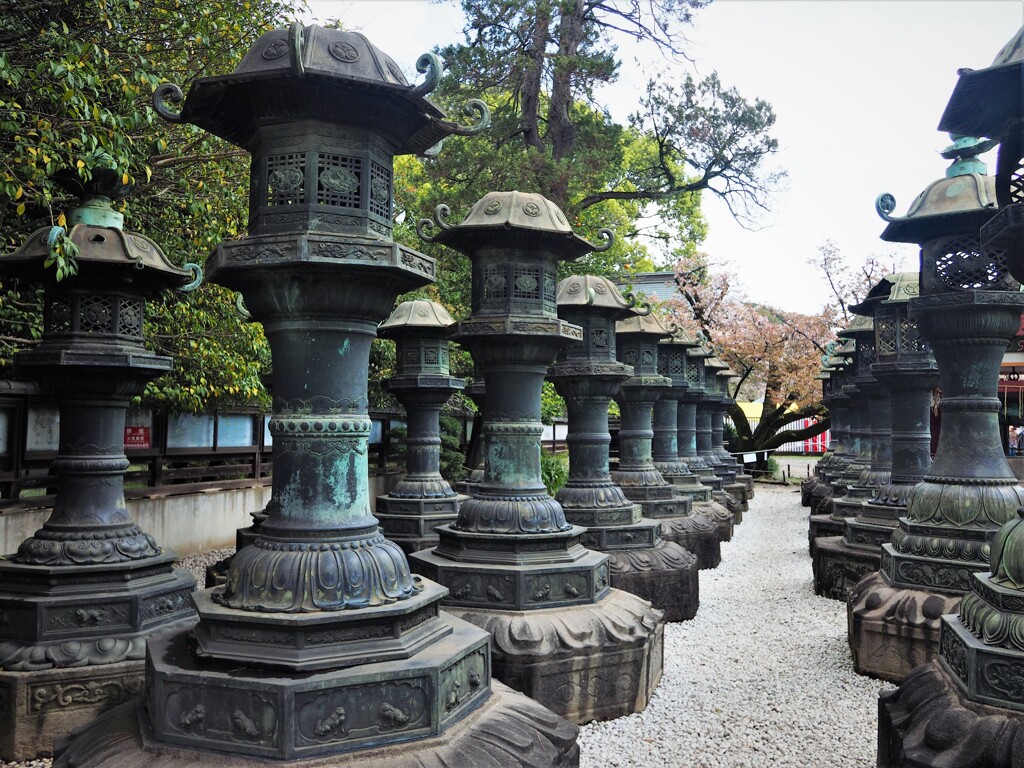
506 729
690 485
588 662
410 523
88 615
838 567
894 629
723 519
848 505
645 564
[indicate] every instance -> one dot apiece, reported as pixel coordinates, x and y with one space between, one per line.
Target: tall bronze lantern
968 310
322 643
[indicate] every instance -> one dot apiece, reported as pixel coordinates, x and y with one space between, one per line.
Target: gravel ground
762 676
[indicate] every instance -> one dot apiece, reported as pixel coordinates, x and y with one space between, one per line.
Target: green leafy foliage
76 81
554 470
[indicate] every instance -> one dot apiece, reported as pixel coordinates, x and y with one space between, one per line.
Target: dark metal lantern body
92 362
968 310
588 376
977 672
512 562
322 641
636 473
422 499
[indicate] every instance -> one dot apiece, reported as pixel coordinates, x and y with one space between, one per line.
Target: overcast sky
858 87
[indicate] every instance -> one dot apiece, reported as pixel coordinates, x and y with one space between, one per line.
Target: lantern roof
314 73
989 101
524 220
643 325
961 201
416 316
103 247
681 338
860 325
598 292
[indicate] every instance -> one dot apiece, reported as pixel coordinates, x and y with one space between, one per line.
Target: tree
76 79
541 59
775 354
848 283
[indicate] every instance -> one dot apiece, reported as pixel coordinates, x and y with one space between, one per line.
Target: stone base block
838 567
928 723
731 503
708 477
507 729
719 515
665 575
695 534
592 662
38 707
892 630
822 525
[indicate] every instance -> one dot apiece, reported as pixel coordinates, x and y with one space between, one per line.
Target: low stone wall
187 523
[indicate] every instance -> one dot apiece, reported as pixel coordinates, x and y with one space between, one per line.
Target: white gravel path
762 676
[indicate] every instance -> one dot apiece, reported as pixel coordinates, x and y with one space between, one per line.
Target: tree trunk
533 77
561 131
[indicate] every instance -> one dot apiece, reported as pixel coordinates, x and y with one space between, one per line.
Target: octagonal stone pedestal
508 729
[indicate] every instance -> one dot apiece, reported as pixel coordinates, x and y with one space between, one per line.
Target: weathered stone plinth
892 630
597 662
838 567
929 722
42 706
507 729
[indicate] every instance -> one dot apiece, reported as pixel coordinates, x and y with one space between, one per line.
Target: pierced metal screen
338 179
963 265
885 335
285 177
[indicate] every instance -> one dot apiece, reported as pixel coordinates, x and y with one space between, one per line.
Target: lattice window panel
1016 183
286 176
95 314
662 365
676 364
495 284
129 318
629 357
911 339
550 287
599 338
885 335
526 284
693 373
58 318
412 355
430 356
338 180
380 191
964 266
865 355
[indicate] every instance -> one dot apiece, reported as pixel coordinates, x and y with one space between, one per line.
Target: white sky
858 87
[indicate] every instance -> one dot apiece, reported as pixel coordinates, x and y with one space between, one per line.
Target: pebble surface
762 676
